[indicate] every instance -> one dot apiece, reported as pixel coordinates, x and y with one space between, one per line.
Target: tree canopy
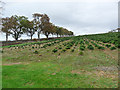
18 25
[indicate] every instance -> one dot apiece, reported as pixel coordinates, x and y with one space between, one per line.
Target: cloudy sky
79 16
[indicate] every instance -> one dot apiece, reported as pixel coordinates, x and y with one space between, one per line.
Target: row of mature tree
18 25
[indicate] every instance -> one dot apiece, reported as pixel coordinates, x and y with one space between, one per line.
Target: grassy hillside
74 62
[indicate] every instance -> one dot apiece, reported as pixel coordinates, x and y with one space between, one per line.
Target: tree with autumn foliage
46 25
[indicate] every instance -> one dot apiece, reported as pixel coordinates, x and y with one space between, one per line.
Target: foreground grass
59 70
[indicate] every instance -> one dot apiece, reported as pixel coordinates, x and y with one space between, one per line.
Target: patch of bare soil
78 71
110 53
103 68
106 72
11 64
75 72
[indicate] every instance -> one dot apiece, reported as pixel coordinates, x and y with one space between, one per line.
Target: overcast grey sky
79 16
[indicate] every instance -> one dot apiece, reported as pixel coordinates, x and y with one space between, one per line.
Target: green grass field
22 68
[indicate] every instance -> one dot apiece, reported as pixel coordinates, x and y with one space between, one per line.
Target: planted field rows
82 61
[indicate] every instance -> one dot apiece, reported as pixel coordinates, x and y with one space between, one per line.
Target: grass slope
24 69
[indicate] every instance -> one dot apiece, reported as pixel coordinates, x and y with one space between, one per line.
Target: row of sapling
90 47
67 45
101 47
55 42
105 38
98 46
33 45
37 44
19 25
82 45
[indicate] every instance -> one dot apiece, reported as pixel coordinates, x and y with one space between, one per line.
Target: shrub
60 47
112 48
108 45
81 41
100 47
76 43
72 50
117 45
54 50
82 48
63 50
87 42
49 44
44 46
81 53
68 47
36 52
48 50
32 47
1 51
90 47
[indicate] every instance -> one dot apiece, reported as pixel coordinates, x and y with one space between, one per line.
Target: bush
60 47
1 51
81 53
67 47
87 42
108 45
113 48
36 52
48 50
81 41
117 45
76 43
82 48
100 47
90 47
49 44
44 46
72 50
54 50
63 50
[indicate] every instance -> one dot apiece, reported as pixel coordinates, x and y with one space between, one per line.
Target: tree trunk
38 35
16 38
57 35
6 36
31 37
47 36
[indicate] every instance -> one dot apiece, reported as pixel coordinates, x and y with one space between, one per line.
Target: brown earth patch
106 74
110 53
11 64
103 68
77 71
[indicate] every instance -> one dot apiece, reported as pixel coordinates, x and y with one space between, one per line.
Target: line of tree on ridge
18 25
